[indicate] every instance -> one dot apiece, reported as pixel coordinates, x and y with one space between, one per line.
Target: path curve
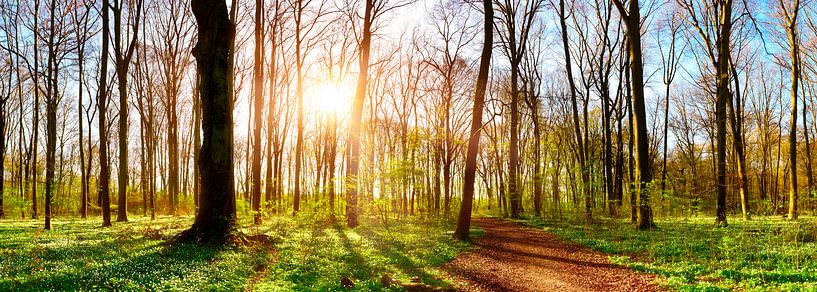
510 257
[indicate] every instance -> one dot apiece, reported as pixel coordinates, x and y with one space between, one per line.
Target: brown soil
514 258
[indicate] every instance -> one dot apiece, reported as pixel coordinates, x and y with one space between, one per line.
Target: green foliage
308 252
765 254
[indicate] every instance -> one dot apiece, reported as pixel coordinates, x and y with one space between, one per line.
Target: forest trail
510 257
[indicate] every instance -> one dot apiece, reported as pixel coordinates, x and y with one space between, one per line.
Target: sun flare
331 98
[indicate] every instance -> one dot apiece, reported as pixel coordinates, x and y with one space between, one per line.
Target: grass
308 254
764 254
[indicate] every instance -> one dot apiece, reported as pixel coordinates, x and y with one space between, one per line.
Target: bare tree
464 220
102 104
790 14
631 15
258 74
215 219
715 40
123 53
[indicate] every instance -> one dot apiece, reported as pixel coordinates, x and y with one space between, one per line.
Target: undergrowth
690 254
308 253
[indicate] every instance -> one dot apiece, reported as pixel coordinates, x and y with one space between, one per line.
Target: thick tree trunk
51 146
122 208
216 217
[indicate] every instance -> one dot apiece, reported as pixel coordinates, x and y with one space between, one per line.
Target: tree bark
353 152
581 153
258 72
102 104
723 95
794 42
632 20
216 217
464 220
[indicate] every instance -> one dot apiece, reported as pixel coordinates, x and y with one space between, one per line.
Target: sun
331 98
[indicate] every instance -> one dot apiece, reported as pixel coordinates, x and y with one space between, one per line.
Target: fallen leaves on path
514 258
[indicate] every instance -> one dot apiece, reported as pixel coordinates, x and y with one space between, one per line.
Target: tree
464 219
123 53
716 42
102 104
446 57
59 43
258 74
669 62
215 219
790 17
514 27
632 20
353 143
580 142
82 28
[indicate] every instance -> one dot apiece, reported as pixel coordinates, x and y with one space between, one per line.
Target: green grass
764 254
308 254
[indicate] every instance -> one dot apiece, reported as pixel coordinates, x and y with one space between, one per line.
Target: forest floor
311 253
510 257
767 253
306 253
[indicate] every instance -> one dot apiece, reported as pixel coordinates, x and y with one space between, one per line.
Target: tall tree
35 132
103 183
631 14
82 29
353 143
669 61
514 27
215 219
713 22
464 219
258 74
123 52
581 153
790 21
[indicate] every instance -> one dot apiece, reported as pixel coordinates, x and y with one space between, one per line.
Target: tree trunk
723 95
353 160
464 220
258 72
575 111
216 217
102 104
632 20
795 82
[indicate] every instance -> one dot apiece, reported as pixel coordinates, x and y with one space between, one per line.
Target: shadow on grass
109 266
398 254
361 268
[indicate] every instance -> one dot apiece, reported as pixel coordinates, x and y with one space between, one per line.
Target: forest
419 145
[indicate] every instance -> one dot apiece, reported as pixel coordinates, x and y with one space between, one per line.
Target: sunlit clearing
330 98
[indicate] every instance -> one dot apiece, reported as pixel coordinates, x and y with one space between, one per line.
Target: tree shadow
154 267
397 254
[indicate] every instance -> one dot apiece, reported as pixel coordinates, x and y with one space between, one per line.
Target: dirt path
514 258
